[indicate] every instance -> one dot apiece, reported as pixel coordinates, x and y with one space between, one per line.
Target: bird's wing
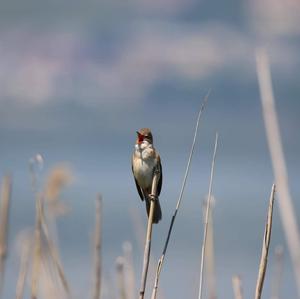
161 177
140 191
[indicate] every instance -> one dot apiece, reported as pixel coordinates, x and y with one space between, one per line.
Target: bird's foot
152 197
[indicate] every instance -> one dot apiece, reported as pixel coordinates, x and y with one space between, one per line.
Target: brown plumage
144 161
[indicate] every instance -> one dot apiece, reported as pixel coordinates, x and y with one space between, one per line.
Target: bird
145 160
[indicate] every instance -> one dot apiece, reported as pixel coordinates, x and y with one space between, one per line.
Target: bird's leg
151 195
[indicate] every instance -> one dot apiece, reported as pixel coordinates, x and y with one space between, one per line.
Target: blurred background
78 78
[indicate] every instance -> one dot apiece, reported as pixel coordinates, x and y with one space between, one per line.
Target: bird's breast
143 171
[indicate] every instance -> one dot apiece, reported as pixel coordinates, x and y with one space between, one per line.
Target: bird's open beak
140 137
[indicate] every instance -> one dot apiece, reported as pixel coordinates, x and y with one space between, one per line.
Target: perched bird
145 160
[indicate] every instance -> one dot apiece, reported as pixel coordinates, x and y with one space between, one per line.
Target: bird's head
144 134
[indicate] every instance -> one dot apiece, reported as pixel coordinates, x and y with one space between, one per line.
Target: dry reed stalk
54 255
203 251
26 248
162 258
58 178
140 233
121 277
147 249
36 164
37 248
4 217
286 209
278 271
49 282
237 287
209 254
97 249
41 230
36 258
129 270
265 247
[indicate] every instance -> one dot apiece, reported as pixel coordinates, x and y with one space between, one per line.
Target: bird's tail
157 210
